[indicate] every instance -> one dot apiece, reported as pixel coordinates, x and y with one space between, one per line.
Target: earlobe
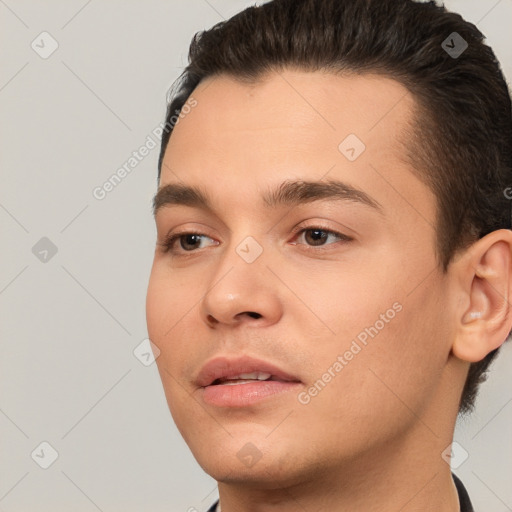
486 283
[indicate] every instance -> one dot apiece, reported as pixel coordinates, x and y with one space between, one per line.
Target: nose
242 293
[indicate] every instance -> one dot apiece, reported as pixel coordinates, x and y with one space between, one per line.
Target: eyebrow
288 193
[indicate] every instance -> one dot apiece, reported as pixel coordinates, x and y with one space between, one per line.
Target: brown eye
190 239
317 236
188 242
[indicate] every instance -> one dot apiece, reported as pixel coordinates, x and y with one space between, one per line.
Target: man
334 258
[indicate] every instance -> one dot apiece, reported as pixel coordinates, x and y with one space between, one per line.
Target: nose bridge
241 283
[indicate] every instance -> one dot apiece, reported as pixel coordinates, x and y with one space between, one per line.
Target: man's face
278 283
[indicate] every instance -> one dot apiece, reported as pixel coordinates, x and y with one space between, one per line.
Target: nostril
211 319
254 315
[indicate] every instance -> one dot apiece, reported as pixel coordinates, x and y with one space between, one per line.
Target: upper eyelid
296 231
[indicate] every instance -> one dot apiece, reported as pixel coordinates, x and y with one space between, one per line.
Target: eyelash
168 243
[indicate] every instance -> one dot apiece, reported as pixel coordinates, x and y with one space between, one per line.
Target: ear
484 282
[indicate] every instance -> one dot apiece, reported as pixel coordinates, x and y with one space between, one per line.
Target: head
293 100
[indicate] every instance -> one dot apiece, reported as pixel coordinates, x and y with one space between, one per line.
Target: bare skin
372 438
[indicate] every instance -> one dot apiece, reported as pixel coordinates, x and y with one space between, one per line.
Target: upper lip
224 367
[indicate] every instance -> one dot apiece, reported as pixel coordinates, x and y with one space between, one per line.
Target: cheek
382 386
343 304
168 307
167 301
392 348
155 293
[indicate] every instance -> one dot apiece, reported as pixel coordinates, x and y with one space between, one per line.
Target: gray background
70 324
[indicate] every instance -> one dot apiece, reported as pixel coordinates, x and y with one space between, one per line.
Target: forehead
318 107
293 125
293 110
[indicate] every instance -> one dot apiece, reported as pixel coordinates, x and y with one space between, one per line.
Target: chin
260 476
260 463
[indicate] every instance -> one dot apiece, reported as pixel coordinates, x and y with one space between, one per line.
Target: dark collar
465 502
213 507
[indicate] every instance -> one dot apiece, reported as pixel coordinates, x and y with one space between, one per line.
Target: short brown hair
461 145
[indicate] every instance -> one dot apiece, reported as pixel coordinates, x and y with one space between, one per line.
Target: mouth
245 378
243 381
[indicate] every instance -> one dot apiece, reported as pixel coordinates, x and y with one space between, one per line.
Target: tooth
245 377
236 382
253 375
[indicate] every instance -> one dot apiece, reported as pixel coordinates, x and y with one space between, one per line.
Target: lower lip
240 395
